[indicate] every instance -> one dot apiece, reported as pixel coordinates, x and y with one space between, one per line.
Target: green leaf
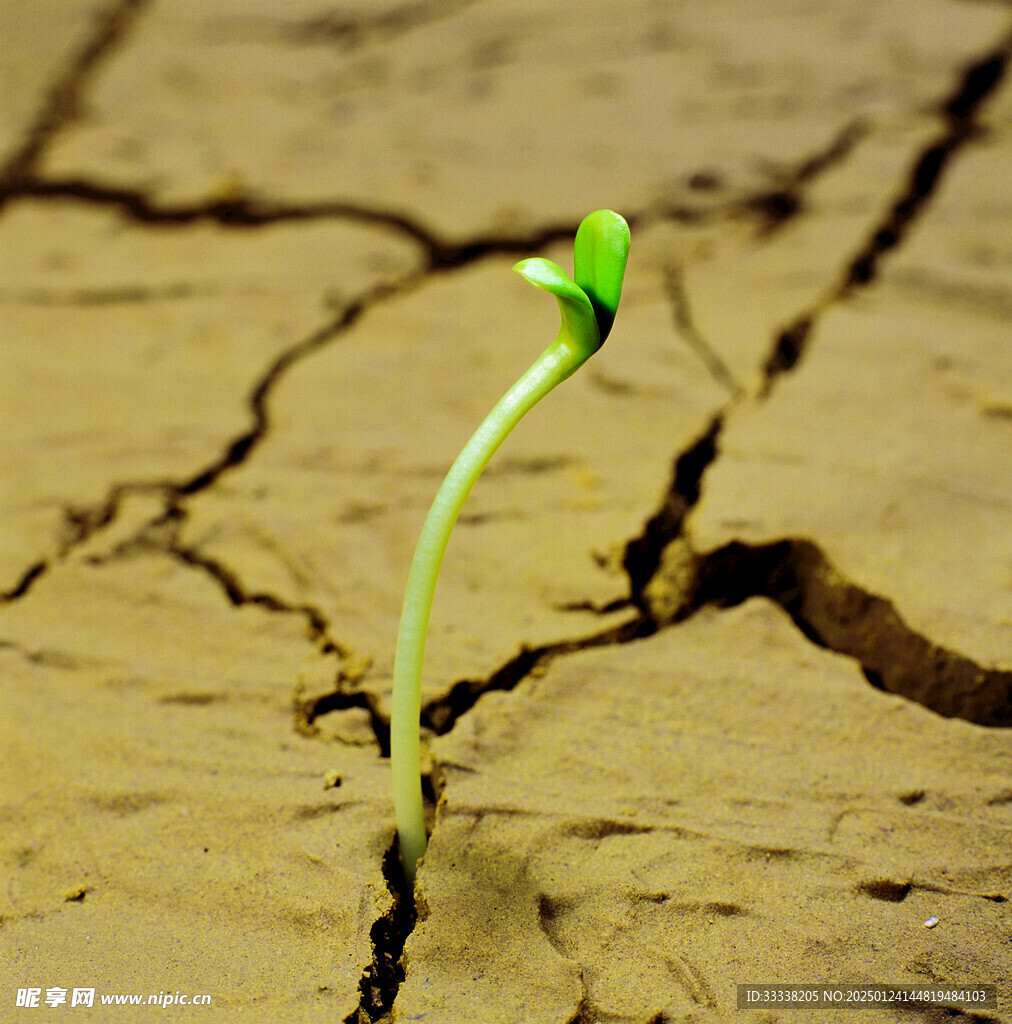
578 316
599 257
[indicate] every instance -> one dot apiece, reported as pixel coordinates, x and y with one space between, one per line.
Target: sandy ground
719 686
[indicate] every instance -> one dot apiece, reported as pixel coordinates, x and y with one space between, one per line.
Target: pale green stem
554 365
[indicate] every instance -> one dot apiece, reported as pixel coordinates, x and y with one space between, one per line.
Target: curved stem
554 365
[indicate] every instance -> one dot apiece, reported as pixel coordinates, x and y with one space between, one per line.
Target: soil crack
62 104
440 715
82 523
317 627
674 285
241 447
24 584
838 615
784 202
251 211
643 554
959 115
382 979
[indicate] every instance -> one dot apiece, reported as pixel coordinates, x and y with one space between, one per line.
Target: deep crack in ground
382 978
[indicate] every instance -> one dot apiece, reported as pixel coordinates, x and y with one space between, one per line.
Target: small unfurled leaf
578 315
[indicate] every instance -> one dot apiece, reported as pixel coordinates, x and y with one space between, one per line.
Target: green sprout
588 306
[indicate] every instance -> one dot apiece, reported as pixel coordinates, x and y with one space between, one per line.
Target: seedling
588 306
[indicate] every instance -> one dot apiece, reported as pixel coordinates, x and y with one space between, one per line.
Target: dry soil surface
719 683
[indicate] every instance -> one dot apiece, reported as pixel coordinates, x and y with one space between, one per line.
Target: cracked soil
719 677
